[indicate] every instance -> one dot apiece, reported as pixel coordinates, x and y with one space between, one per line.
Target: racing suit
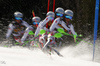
18 30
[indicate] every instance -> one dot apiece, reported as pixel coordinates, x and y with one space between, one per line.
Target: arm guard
72 29
26 34
64 25
45 21
54 24
10 29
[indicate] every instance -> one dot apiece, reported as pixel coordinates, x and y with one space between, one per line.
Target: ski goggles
35 23
69 17
51 18
18 18
58 14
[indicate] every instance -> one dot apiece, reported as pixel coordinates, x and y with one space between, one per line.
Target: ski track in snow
80 55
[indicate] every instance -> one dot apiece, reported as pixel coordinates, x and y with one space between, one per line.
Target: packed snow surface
21 56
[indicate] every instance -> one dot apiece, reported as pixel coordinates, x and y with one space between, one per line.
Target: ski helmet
60 10
18 14
69 13
36 19
50 13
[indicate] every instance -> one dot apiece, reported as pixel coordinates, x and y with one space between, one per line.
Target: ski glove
75 37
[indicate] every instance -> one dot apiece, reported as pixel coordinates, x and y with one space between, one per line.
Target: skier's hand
75 36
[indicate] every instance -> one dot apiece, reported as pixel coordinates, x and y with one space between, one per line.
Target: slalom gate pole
48 11
48 6
33 13
34 16
95 25
53 5
53 8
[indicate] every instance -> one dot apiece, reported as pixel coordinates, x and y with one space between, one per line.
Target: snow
19 56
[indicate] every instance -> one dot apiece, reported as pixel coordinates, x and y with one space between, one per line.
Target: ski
58 53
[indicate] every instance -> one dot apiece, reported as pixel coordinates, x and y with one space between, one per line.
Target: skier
68 17
17 28
58 22
35 22
48 20
59 16
69 27
50 17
